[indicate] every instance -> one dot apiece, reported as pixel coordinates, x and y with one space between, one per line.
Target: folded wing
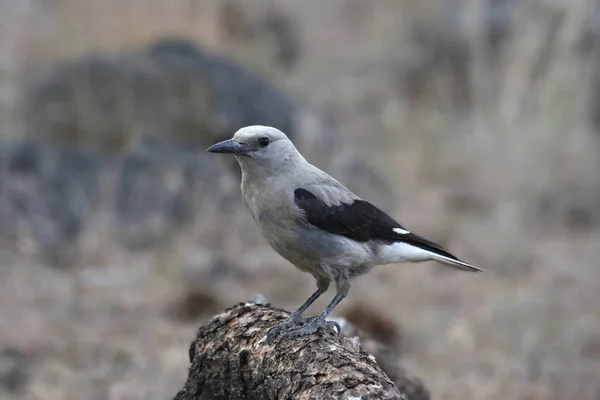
360 220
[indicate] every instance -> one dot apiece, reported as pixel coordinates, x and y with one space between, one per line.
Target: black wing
360 221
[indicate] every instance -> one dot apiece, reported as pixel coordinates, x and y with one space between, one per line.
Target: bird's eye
264 141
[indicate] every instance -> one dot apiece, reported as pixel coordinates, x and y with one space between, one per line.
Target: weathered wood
232 361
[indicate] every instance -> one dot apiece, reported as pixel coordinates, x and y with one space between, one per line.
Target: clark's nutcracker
316 223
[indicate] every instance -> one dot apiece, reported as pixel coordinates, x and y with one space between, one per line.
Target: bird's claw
313 326
292 322
276 330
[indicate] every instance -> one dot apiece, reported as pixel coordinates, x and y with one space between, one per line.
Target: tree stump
232 361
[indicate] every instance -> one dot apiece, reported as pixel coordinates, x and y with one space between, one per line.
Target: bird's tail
455 263
417 249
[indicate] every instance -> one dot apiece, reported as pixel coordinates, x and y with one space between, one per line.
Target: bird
317 224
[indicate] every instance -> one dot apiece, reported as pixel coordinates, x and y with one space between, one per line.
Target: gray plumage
316 223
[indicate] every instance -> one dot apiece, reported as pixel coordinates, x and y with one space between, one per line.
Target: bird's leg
296 317
343 286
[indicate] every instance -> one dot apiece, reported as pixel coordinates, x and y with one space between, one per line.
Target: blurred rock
238 97
158 191
172 91
124 135
49 197
15 370
46 196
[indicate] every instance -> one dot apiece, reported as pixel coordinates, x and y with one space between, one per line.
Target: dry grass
471 144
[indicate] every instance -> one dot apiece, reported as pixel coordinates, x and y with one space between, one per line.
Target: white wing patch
401 231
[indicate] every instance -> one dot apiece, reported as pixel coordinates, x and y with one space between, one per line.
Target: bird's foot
316 323
294 321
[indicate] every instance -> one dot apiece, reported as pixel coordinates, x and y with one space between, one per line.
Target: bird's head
258 146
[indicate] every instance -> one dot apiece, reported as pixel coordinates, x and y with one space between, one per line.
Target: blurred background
474 122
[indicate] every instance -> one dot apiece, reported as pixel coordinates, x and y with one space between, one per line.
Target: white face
260 148
254 132
265 144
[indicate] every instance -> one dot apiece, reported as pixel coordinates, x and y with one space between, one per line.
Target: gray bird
317 224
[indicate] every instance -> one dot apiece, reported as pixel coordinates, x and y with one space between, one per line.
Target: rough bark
232 361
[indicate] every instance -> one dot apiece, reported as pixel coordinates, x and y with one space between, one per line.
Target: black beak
229 147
